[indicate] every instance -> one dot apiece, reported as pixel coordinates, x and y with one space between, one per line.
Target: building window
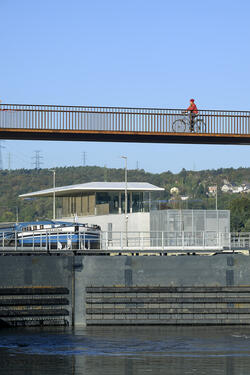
107 202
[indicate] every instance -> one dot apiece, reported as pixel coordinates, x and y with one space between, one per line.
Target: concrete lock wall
163 290
79 290
36 290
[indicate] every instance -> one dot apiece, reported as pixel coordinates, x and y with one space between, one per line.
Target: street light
54 193
216 198
126 199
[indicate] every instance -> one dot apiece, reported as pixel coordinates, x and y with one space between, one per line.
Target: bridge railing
117 119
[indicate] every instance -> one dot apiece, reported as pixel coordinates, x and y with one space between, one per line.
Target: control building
103 203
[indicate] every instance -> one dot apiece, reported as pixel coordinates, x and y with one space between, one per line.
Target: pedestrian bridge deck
118 124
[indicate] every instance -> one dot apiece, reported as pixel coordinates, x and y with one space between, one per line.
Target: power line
84 157
37 163
1 156
9 161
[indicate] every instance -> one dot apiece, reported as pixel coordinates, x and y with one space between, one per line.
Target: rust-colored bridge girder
117 124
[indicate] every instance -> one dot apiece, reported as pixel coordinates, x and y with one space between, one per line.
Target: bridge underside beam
125 136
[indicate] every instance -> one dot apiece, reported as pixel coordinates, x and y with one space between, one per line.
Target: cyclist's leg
197 128
192 119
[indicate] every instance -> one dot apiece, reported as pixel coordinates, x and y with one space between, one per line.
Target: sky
133 53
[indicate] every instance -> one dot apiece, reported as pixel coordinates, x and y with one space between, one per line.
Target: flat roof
70 190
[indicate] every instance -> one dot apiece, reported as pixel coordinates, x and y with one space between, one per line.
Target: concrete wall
163 271
45 279
139 221
152 289
216 272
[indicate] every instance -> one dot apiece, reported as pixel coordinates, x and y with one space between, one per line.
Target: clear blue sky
126 53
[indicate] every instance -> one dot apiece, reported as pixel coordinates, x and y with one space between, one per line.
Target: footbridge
119 124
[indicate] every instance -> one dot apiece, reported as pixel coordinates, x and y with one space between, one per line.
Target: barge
50 234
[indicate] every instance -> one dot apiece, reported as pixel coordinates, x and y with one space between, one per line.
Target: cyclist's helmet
191 100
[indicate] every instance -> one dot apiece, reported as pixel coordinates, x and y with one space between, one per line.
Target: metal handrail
137 241
116 119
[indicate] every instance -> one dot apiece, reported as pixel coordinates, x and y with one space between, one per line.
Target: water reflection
126 350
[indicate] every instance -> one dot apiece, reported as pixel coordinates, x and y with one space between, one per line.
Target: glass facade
137 202
105 203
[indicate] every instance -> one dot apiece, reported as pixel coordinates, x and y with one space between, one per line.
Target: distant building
174 190
237 189
246 188
212 190
232 188
103 203
226 188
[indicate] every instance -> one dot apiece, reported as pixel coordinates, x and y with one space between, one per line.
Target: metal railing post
106 240
15 240
121 241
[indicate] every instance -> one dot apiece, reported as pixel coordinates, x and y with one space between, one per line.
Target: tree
240 213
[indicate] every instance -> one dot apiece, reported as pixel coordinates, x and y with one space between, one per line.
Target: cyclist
193 113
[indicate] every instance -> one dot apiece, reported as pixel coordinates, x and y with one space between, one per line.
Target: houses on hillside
234 189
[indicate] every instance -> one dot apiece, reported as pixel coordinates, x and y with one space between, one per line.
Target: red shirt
192 108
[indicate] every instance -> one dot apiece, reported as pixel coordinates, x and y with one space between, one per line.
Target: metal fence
240 240
159 240
117 119
133 241
194 221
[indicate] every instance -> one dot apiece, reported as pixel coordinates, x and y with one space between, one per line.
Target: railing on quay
120 242
160 240
116 119
240 240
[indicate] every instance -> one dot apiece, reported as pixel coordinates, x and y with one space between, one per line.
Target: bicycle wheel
179 126
199 126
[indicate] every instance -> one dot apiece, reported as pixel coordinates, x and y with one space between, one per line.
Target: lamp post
54 193
216 198
17 218
126 199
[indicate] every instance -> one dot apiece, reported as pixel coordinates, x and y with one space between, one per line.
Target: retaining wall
79 290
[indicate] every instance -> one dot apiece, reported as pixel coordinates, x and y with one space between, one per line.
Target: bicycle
181 125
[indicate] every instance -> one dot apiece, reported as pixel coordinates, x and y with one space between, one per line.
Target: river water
126 351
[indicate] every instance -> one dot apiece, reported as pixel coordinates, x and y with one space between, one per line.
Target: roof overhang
73 190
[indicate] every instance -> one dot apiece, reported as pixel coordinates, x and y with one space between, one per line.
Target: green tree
240 213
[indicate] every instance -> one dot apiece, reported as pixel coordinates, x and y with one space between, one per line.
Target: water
126 351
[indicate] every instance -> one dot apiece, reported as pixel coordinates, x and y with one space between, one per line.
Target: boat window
41 226
34 227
